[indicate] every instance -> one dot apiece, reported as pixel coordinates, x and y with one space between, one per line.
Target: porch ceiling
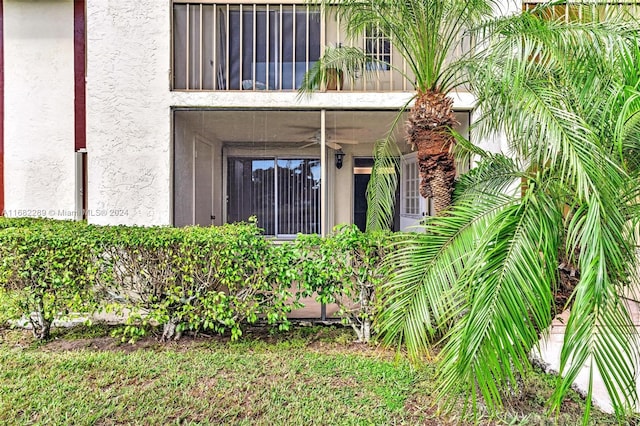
294 127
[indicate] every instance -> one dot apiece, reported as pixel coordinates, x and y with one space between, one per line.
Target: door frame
395 226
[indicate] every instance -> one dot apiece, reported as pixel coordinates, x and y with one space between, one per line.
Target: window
410 188
378 48
243 46
283 193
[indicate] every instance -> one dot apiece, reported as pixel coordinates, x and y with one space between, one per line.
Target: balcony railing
265 46
585 11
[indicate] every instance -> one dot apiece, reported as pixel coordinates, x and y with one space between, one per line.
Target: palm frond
537 108
494 173
606 259
417 300
507 284
352 62
425 33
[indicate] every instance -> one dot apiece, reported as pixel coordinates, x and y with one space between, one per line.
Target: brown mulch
63 340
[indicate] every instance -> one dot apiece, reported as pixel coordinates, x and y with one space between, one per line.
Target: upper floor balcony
584 11
269 46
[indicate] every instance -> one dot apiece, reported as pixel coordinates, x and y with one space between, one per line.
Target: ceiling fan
333 143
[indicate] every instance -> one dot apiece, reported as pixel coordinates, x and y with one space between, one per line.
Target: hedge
51 266
194 278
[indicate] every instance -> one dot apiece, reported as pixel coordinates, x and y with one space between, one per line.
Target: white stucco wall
128 112
39 108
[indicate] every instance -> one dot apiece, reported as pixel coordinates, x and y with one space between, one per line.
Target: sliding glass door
283 193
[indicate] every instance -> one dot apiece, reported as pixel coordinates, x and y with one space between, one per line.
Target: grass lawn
314 375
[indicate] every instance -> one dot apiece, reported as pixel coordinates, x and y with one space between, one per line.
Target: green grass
311 376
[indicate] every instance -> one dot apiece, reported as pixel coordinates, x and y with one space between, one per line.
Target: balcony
266 47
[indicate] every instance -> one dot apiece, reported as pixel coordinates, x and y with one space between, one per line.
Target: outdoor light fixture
339 157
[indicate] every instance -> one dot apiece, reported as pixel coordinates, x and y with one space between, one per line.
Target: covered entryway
282 167
278 165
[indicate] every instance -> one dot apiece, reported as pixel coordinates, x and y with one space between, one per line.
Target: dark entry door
361 176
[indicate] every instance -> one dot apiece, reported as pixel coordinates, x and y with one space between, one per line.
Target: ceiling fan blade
330 144
329 128
345 141
300 126
308 145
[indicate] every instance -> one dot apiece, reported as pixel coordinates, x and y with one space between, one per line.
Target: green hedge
344 268
194 278
51 266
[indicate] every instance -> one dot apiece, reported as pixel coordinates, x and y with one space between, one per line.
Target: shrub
193 278
9 306
345 268
197 278
51 266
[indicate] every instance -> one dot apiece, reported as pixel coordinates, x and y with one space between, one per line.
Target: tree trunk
568 278
170 330
40 325
428 130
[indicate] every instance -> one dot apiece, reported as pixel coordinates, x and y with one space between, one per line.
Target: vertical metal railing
263 46
584 10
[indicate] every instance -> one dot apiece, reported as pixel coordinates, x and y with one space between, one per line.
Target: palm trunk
428 130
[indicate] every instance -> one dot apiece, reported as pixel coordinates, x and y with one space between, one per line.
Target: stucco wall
128 112
39 108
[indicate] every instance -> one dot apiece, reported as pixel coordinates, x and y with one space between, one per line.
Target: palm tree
483 276
427 34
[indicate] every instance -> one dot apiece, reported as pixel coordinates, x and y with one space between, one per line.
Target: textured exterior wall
128 112
39 120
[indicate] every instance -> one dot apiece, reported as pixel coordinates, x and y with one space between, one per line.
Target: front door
203 184
361 177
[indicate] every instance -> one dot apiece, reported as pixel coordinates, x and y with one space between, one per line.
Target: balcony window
378 48
243 46
410 188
